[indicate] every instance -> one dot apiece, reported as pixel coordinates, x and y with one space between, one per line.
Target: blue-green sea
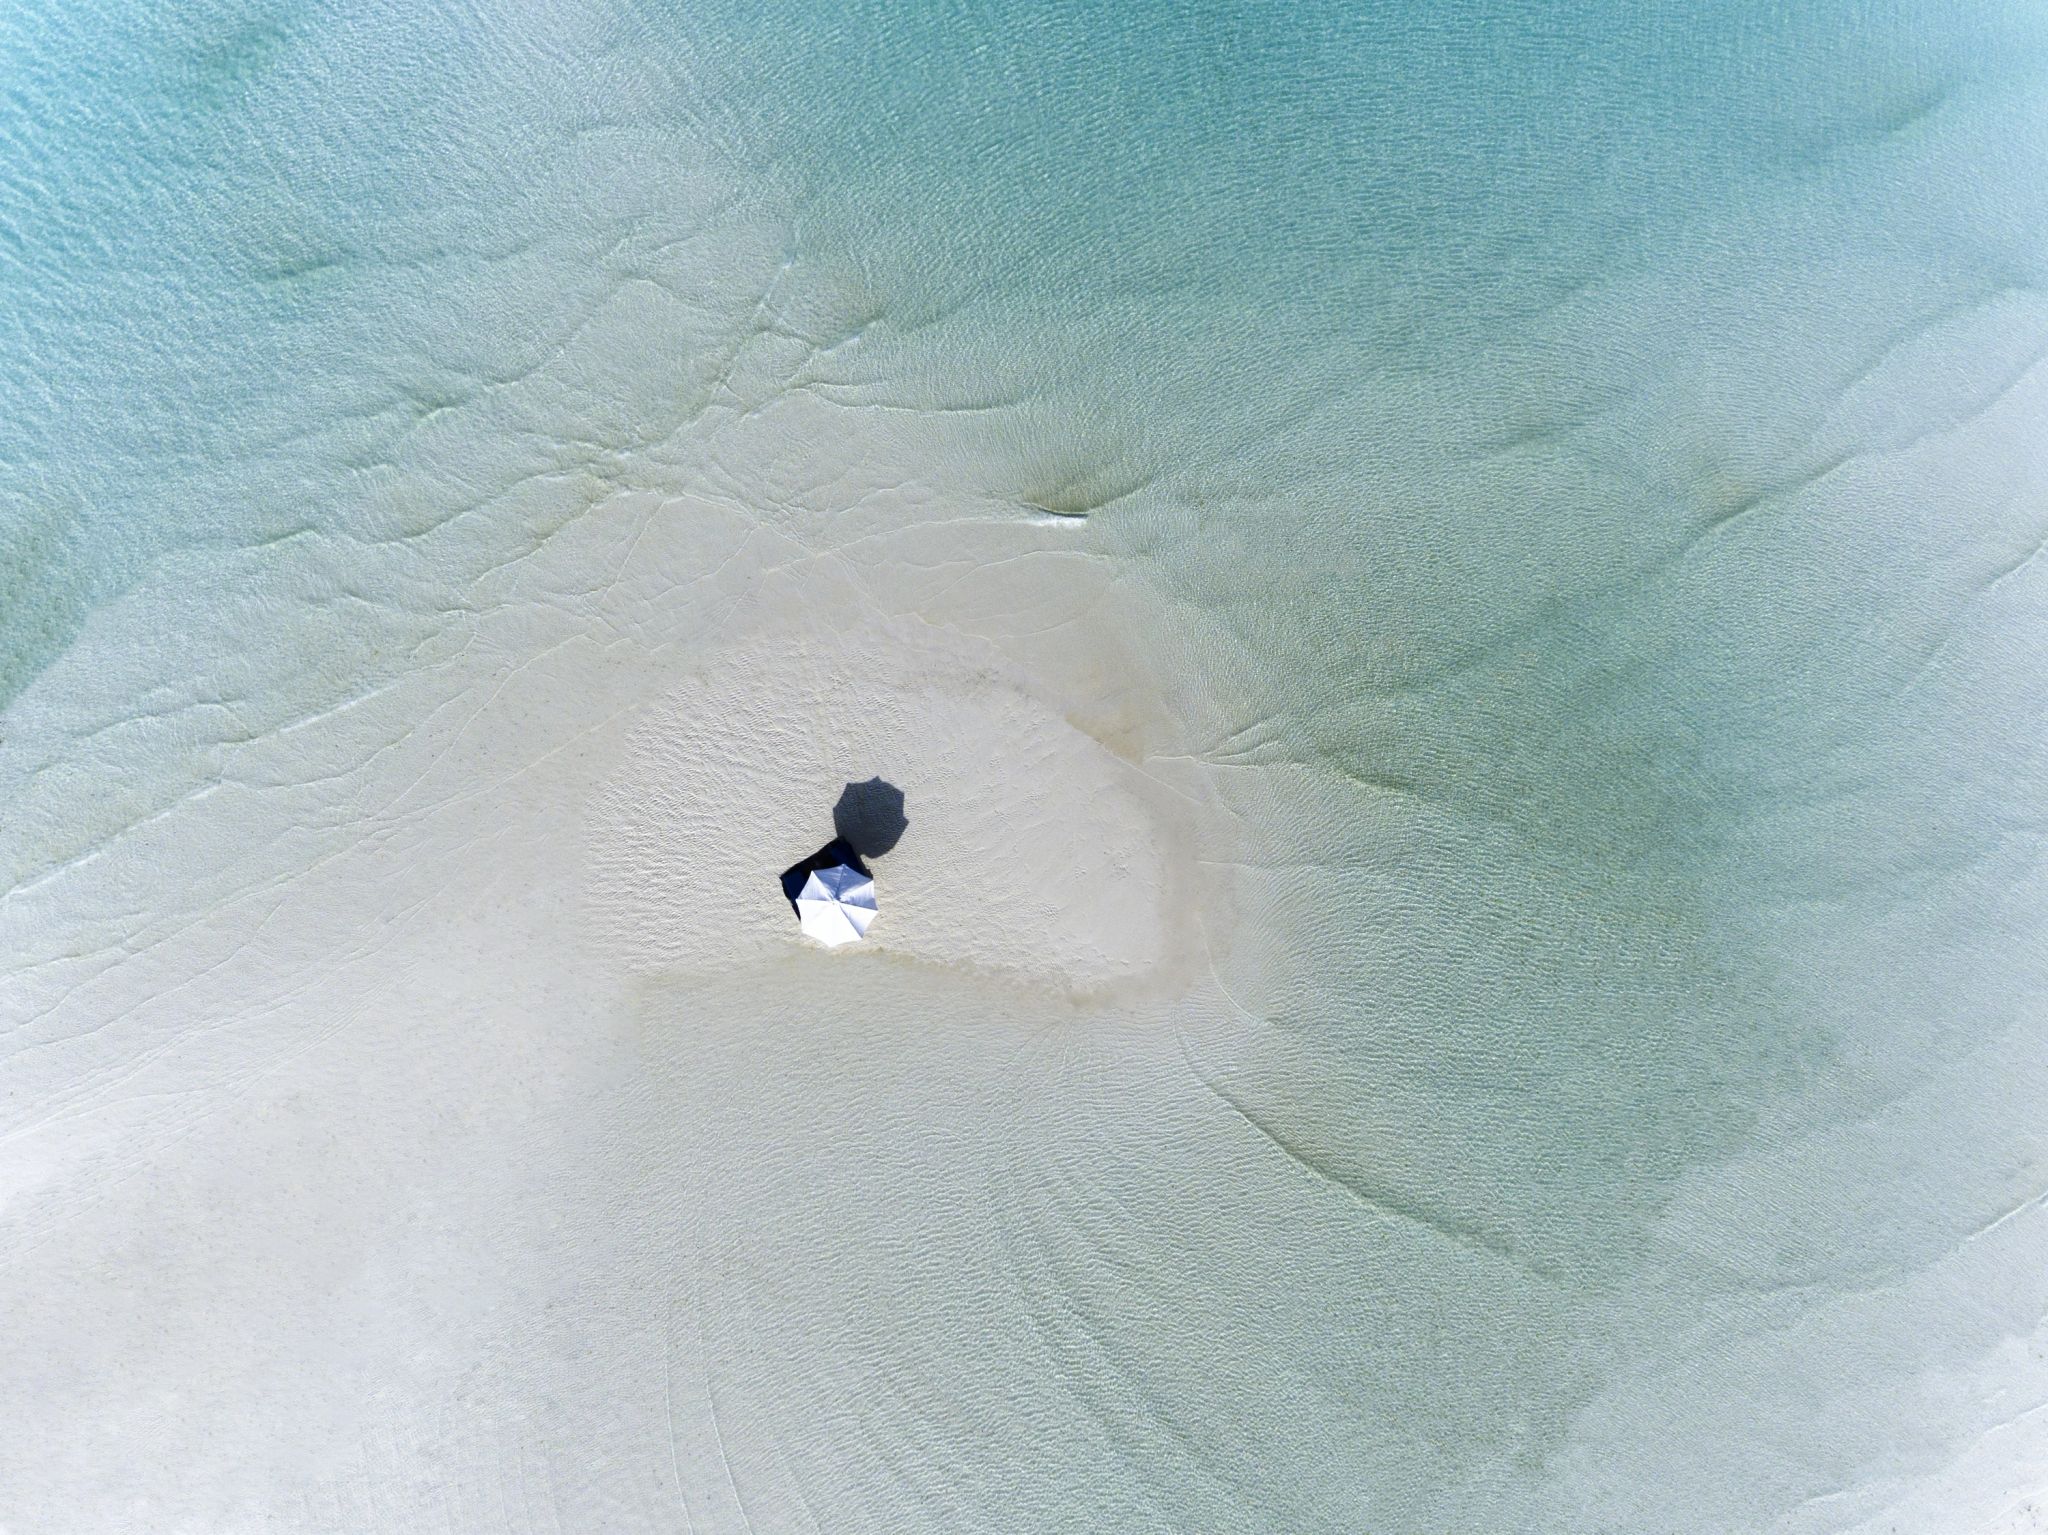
1568 483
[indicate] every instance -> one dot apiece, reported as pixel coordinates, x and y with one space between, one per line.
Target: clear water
1607 438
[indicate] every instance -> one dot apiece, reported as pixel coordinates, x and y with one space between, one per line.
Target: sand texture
1457 598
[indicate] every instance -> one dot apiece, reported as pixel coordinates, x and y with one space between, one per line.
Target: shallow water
1520 536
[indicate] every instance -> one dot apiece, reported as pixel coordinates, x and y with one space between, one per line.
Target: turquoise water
1606 436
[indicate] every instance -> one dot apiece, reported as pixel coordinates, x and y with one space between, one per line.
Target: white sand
1033 850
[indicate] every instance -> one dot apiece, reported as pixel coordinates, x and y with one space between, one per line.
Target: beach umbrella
836 904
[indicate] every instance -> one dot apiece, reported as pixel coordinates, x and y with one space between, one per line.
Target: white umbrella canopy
836 905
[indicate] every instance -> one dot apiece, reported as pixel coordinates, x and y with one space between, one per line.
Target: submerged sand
476 1126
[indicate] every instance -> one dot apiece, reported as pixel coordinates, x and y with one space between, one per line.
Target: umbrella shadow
869 817
868 820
